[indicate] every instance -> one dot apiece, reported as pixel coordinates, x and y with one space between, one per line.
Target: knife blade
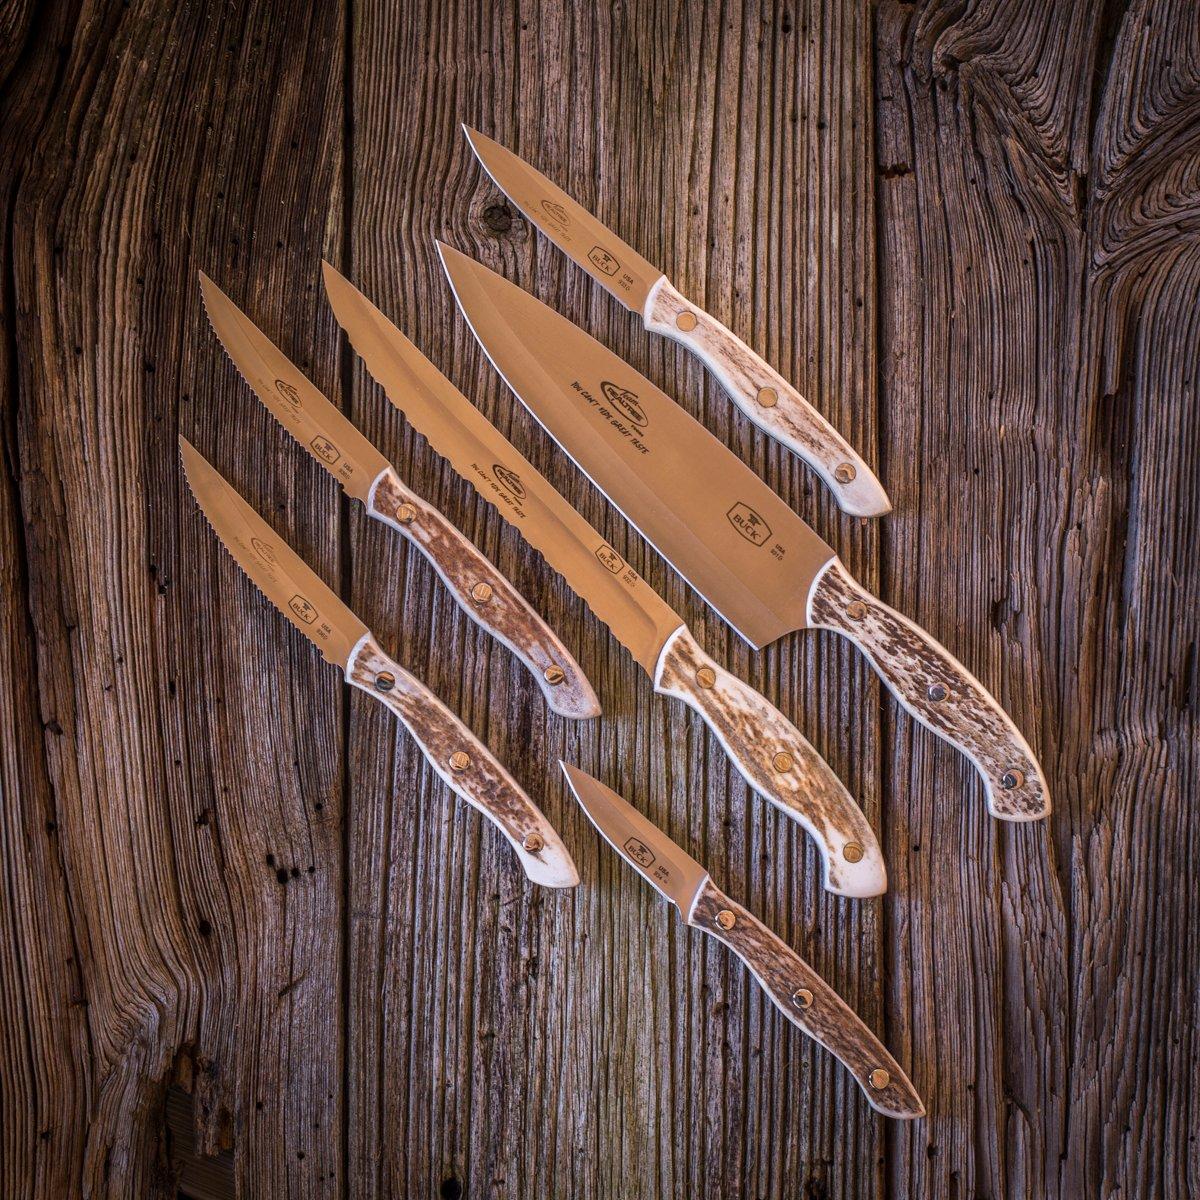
794 987
477 586
738 544
462 762
769 752
760 391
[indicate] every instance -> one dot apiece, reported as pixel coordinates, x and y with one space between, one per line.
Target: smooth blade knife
738 544
480 590
464 764
796 989
769 752
757 389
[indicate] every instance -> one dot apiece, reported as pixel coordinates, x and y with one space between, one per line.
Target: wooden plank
1039 353
185 733
503 1041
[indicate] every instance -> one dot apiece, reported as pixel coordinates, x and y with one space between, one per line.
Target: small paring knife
464 764
719 525
479 589
770 753
795 988
756 388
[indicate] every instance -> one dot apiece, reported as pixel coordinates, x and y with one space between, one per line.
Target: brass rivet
554 675
686 321
880 1079
844 472
385 681
406 514
706 677
937 692
802 998
533 843
1012 779
482 592
856 610
767 397
459 760
852 852
726 919
782 761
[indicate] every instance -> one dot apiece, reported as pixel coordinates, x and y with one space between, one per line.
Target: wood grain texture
222 869
487 597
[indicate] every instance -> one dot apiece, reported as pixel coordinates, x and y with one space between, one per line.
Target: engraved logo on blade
748 523
303 610
603 261
289 393
510 481
611 559
639 852
627 401
263 550
555 211
325 450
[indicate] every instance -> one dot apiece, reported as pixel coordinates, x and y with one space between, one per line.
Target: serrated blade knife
794 987
738 544
755 387
767 749
477 586
463 763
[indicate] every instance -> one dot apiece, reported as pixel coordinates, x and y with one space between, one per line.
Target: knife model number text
624 427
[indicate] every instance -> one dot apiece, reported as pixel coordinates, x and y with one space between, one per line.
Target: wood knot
498 218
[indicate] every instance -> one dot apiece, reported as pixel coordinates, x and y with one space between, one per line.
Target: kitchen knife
771 754
757 389
796 989
752 558
480 590
460 759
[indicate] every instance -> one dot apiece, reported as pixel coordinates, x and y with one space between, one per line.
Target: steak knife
464 764
794 987
769 752
738 544
480 590
757 389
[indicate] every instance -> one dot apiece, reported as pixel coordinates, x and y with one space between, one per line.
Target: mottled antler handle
486 596
768 400
465 764
936 689
778 762
808 1001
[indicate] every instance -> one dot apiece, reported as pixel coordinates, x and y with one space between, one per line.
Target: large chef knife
756 388
460 759
771 754
755 561
481 591
796 989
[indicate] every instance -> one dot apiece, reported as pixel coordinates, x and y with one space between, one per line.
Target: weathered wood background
971 231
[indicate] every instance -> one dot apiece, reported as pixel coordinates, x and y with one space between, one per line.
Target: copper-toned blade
291 399
662 863
639 618
273 566
738 544
615 265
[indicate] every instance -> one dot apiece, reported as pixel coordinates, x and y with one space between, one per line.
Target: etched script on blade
620 408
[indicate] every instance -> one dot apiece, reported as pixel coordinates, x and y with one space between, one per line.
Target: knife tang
778 762
768 400
808 1001
464 764
936 689
484 594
